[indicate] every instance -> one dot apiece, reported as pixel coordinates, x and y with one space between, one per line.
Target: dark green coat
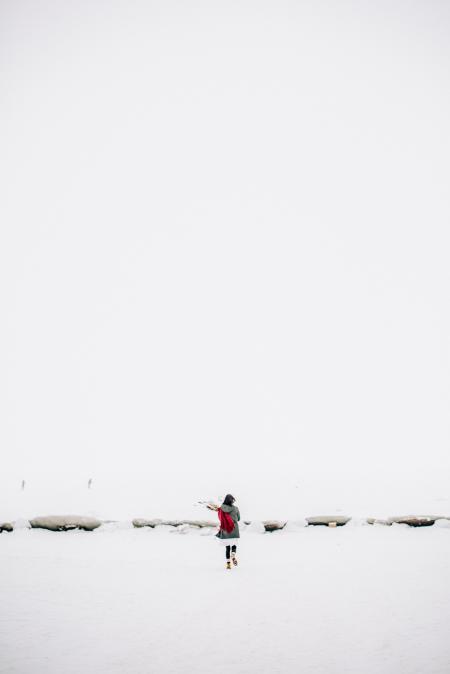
235 515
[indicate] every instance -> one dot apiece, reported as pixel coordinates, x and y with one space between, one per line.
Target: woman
228 533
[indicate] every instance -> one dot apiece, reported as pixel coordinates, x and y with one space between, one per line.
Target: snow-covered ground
356 599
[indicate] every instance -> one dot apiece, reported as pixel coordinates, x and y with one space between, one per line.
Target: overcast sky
225 242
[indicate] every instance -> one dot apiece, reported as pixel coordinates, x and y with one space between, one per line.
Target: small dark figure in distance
228 533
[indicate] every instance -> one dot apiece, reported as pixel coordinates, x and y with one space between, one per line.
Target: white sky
225 245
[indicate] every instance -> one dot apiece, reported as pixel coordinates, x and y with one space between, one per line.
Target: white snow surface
317 600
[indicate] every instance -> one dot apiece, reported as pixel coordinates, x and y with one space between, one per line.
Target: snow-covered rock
409 520
142 522
65 522
328 520
413 521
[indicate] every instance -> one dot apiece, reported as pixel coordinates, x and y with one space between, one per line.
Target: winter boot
228 564
234 559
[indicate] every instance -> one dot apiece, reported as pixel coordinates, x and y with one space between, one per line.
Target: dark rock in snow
273 525
413 521
6 526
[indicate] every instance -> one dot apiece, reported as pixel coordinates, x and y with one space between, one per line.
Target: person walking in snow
228 533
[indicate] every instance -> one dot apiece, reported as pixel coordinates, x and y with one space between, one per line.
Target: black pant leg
227 552
233 548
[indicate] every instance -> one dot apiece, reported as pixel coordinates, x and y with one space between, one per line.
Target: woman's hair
229 500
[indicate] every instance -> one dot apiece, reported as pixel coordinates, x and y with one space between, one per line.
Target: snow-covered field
357 599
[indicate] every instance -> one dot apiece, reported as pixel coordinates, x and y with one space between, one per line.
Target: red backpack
226 522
